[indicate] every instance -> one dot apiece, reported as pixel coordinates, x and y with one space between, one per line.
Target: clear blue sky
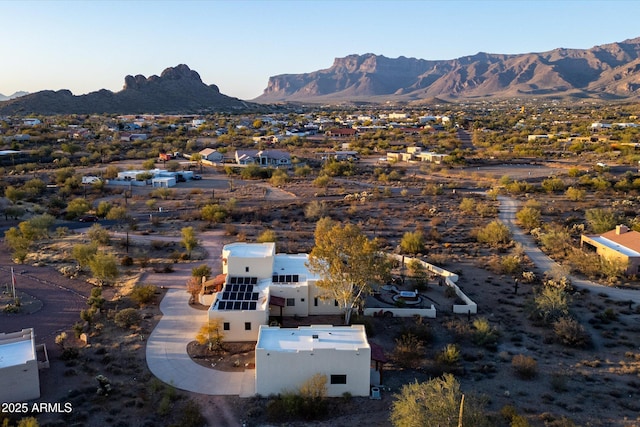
88 45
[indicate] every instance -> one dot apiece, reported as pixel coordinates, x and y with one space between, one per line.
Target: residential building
620 244
287 358
19 374
212 155
267 158
259 284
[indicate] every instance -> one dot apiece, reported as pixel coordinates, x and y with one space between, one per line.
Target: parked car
88 218
197 177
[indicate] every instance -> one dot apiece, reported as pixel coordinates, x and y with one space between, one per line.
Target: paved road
508 208
166 351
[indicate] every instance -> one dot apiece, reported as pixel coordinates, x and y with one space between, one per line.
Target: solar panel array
238 294
285 278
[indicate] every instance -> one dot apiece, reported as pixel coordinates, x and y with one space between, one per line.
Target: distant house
272 158
211 155
341 132
30 121
620 244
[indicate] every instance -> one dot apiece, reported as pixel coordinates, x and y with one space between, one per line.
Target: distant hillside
177 90
12 96
610 71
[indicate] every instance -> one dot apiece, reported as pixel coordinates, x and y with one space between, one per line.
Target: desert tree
347 263
104 267
601 220
266 236
189 240
436 402
412 242
211 335
494 233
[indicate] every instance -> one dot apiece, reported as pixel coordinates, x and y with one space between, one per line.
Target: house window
246 269
335 302
301 299
315 302
226 326
291 302
247 326
338 379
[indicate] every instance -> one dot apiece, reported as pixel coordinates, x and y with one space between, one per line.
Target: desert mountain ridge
177 90
607 72
13 95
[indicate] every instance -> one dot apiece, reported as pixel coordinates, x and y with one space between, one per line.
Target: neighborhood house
620 244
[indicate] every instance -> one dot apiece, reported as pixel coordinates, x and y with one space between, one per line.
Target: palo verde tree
347 263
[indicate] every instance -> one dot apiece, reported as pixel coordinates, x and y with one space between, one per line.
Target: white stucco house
212 155
19 374
287 357
273 158
258 284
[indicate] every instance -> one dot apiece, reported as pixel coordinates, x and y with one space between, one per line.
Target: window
291 302
335 302
226 326
315 302
338 379
247 326
301 299
246 269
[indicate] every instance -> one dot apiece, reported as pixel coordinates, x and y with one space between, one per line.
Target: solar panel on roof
249 288
274 278
225 295
254 296
254 280
296 278
237 305
245 305
234 280
252 305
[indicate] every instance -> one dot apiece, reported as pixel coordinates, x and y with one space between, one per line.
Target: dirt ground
596 386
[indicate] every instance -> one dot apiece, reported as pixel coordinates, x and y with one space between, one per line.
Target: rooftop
16 349
250 250
290 264
308 338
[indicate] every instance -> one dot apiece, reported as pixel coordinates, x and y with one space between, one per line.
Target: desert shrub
449 356
316 209
128 317
468 205
422 331
412 242
98 235
69 353
322 181
485 209
126 261
190 415
83 253
529 217
550 304
408 350
570 333
309 403
575 194
436 403
494 233
551 185
601 220
484 334
143 294
559 382
266 236
524 367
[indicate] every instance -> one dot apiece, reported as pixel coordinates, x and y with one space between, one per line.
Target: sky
88 45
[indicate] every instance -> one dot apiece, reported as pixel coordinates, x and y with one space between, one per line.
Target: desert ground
592 386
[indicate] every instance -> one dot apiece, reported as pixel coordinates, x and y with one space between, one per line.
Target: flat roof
304 338
615 246
293 264
16 353
250 250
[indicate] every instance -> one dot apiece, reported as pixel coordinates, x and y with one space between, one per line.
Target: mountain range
609 72
177 90
605 72
12 96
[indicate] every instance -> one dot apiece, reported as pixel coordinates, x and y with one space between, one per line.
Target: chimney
621 229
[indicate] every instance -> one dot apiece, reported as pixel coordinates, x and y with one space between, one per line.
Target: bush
126 261
143 294
570 332
494 233
127 318
449 356
525 367
409 351
484 334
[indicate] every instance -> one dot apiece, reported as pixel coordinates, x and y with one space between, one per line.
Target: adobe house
622 244
257 283
19 365
286 358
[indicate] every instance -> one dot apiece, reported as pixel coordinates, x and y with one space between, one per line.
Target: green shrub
143 294
570 333
449 356
408 351
127 318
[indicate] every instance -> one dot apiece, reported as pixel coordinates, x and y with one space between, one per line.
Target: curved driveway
166 351
508 208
